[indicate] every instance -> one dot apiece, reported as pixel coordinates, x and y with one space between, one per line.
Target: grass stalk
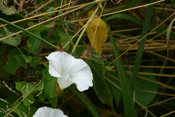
37 37
124 81
141 45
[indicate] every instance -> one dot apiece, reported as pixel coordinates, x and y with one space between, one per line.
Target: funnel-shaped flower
70 70
49 112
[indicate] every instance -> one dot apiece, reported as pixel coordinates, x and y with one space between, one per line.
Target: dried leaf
97 32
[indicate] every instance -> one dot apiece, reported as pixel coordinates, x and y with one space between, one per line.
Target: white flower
49 112
69 70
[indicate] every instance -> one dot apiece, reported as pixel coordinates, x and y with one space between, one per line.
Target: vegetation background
133 65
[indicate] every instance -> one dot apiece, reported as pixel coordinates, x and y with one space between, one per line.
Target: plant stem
141 45
124 81
14 25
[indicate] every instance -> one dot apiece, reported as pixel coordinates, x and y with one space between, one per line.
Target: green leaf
28 100
35 61
7 10
96 57
53 101
34 43
23 59
20 85
27 58
63 38
114 86
54 38
21 110
40 87
49 83
39 28
48 15
6 104
142 96
20 60
99 85
25 89
13 41
42 96
85 101
62 22
11 65
32 111
3 48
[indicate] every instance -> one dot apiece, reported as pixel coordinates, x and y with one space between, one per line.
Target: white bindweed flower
49 112
69 70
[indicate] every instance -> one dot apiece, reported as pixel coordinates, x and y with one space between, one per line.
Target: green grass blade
141 45
7 22
173 1
131 4
124 81
128 5
139 22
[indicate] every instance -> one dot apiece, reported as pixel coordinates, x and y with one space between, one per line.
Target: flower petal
49 112
59 62
55 64
81 75
69 70
68 61
63 83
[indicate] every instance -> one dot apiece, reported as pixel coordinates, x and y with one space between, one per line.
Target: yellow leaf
81 22
97 32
